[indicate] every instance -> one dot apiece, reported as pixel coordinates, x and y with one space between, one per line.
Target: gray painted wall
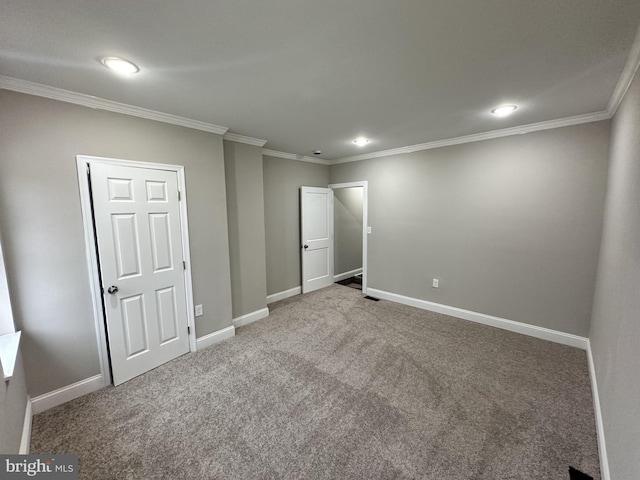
282 181
510 226
347 230
42 229
615 328
13 402
245 211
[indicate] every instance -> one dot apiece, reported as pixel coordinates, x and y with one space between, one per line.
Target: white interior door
137 224
316 211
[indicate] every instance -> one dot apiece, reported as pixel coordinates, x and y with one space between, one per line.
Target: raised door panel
161 248
134 319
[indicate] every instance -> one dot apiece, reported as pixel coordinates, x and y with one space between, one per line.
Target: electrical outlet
436 283
369 230
198 310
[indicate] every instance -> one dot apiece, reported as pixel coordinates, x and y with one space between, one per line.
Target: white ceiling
314 74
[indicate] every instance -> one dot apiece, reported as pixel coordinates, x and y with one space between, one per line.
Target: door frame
82 162
365 223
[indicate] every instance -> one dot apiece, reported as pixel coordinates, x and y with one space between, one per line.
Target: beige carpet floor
334 386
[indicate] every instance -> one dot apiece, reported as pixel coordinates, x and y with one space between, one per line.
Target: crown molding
630 69
626 77
40 90
234 137
293 156
478 137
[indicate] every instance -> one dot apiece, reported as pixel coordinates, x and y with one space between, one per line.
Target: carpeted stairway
334 386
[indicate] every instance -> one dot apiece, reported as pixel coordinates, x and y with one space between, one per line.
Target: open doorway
318 207
350 234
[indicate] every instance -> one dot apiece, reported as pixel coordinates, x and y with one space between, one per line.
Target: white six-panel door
137 224
316 207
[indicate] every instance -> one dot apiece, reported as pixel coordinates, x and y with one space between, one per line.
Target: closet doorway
350 217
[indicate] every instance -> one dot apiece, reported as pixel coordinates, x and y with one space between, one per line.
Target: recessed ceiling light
504 110
361 141
120 65
317 152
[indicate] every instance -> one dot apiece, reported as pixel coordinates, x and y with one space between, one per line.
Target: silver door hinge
188 330
179 196
184 265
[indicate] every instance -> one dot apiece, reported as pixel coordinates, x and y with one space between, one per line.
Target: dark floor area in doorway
352 282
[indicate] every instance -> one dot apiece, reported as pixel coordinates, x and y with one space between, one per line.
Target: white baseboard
503 323
251 317
215 337
602 447
26 429
62 395
282 295
345 275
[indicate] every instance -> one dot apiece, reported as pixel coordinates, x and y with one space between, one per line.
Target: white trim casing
92 260
345 275
292 292
517 327
234 137
215 337
65 394
243 320
25 441
40 90
94 277
602 447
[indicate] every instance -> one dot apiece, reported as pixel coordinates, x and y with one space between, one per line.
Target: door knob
306 246
112 289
